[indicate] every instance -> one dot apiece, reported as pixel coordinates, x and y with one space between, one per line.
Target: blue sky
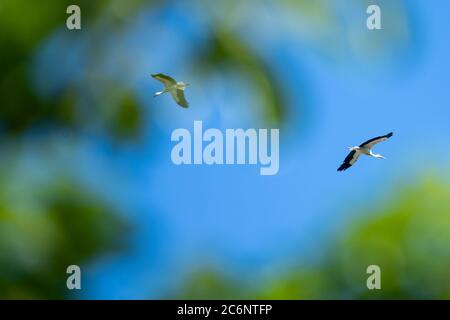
230 216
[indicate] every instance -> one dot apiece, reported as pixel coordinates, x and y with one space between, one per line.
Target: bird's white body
172 88
367 152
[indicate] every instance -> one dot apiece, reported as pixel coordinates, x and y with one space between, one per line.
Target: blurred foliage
38 241
126 120
207 283
23 26
334 29
225 48
408 237
58 223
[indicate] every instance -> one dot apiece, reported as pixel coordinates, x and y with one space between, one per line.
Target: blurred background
87 179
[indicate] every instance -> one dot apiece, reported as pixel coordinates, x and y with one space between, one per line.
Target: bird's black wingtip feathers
390 134
344 167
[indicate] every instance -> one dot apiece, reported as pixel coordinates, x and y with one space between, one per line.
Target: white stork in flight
175 88
364 148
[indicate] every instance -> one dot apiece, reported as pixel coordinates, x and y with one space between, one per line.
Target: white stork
175 88
364 148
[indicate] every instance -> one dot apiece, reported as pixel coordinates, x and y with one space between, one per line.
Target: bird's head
353 148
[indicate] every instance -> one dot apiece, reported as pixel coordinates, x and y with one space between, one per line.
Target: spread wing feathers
349 160
370 143
178 96
166 80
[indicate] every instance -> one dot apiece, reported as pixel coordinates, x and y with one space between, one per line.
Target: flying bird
364 148
176 89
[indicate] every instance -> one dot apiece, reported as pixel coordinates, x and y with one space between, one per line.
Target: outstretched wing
178 96
349 160
166 80
370 143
